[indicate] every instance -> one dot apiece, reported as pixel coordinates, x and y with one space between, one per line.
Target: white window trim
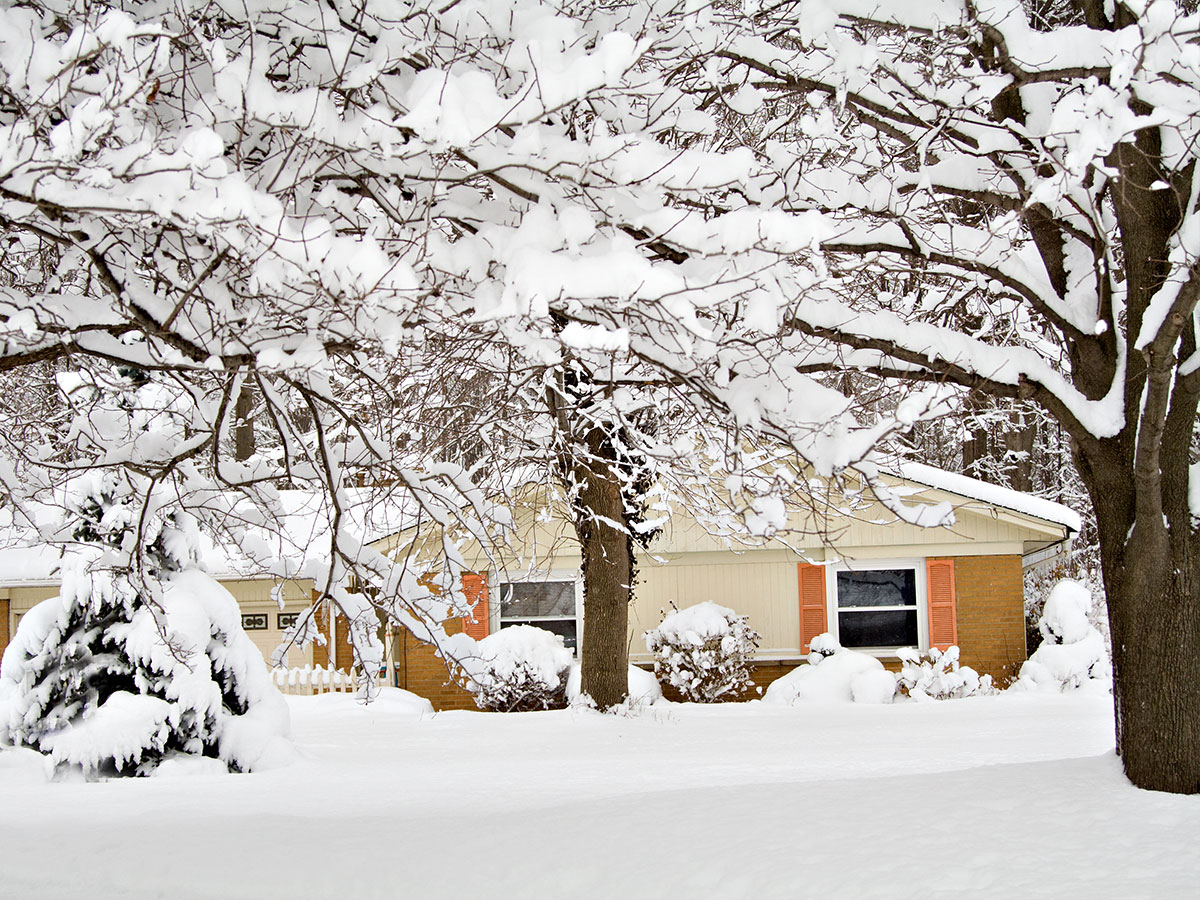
558 575
916 563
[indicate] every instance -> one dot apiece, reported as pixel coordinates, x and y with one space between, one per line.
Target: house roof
974 489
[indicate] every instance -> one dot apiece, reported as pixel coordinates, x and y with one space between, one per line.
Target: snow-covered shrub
118 673
1083 566
97 681
940 677
1072 652
704 652
644 689
518 669
833 675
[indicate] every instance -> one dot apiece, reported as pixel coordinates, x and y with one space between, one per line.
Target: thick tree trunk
590 467
1152 581
1154 613
607 585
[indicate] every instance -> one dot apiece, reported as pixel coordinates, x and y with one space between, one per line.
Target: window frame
555 576
916 563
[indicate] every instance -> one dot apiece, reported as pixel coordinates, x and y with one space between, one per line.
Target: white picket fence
317 680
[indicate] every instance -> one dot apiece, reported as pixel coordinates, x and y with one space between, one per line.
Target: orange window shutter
943 608
814 618
475 586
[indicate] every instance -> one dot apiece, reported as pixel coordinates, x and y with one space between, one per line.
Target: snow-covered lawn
999 797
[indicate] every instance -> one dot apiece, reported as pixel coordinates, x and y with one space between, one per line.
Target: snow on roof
304 526
28 565
22 562
28 558
973 488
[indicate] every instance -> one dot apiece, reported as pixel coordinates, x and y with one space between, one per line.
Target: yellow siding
871 527
757 577
765 591
254 596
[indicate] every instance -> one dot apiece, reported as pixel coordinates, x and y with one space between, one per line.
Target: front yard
1008 797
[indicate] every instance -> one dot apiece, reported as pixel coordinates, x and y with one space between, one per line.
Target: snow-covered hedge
518 669
1072 653
704 652
940 677
833 675
99 683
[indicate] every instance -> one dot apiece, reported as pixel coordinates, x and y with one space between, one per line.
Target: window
879 607
544 604
286 620
254 621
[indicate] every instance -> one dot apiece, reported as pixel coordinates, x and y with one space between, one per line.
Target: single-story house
850 567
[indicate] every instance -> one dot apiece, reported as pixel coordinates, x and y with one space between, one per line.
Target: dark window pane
877 587
540 598
564 628
884 628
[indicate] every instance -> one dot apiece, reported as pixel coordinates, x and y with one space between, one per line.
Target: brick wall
344 653
420 671
990 594
417 669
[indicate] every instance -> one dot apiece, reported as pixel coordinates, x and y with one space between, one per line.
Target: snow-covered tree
159 185
141 657
1040 180
1072 651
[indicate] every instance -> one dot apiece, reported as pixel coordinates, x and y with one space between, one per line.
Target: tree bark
591 469
1019 442
607 582
1154 615
243 429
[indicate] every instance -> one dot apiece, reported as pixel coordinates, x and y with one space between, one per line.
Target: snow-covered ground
997 797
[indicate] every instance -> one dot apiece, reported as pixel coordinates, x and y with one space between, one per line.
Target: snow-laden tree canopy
313 201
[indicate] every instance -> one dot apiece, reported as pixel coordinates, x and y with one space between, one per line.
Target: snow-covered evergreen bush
1072 653
518 669
704 652
130 666
940 677
833 674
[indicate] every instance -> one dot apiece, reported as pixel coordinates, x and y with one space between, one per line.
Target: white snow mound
644 688
833 675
